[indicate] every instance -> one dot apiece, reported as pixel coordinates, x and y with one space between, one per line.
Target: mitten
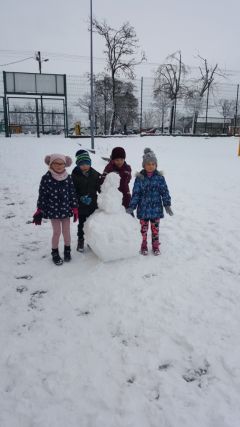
86 200
75 214
129 211
37 217
169 210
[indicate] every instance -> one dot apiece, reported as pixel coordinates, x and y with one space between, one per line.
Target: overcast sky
208 27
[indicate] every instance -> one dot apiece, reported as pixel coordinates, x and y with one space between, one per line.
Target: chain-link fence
137 109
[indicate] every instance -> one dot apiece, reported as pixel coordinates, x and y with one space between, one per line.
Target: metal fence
212 118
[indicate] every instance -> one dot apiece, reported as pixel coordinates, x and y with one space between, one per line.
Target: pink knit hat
50 158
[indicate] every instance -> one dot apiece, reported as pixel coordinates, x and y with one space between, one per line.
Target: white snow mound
111 233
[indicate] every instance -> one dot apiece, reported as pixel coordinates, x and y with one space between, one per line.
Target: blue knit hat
83 158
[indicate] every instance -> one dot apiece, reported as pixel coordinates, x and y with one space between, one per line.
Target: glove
86 200
130 211
169 210
37 217
75 214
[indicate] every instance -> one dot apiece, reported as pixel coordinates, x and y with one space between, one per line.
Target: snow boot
67 253
156 251
56 257
144 250
80 245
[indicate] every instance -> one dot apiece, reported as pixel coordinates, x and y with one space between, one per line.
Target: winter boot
156 251
80 245
67 253
144 249
56 257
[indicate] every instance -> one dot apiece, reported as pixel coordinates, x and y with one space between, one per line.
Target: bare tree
169 80
120 48
148 119
226 108
202 86
127 106
103 98
161 105
193 102
84 103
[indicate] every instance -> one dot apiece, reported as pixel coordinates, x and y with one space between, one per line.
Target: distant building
214 126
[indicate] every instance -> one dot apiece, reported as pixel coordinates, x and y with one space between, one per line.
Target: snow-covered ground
144 342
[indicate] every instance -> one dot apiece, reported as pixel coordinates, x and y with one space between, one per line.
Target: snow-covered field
144 342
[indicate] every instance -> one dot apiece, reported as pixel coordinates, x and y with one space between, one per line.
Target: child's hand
87 200
37 217
129 211
169 210
75 214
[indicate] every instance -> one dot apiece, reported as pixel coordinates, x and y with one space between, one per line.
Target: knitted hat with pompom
149 156
50 158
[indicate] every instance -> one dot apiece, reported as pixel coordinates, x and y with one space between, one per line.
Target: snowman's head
110 199
112 180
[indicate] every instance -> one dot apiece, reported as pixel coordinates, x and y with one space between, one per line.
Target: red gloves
75 214
37 217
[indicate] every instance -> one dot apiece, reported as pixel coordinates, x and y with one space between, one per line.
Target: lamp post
40 60
91 79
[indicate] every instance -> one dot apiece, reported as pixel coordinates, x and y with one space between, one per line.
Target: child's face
150 167
84 168
118 162
58 166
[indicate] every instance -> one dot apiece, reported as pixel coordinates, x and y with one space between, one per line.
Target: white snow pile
140 342
110 232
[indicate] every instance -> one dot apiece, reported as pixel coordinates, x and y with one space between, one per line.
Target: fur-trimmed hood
142 174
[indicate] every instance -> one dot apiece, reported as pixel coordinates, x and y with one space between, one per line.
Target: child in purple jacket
118 164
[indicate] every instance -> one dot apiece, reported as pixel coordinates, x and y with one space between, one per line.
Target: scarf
59 176
149 174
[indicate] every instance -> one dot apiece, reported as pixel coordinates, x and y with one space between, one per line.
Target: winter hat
83 158
118 153
149 156
50 158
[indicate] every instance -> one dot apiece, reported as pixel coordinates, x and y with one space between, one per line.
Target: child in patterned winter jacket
150 194
57 201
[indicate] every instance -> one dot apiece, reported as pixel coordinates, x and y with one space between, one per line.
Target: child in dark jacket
57 202
150 194
119 165
86 181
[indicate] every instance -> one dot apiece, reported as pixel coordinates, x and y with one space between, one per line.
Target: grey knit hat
149 156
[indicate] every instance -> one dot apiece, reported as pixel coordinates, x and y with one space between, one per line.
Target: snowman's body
110 232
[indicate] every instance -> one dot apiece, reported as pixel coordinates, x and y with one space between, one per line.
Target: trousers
155 232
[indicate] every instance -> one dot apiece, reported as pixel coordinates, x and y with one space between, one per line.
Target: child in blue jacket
150 195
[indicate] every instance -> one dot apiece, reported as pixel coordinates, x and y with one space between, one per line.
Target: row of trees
115 103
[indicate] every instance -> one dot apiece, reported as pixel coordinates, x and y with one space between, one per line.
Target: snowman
110 232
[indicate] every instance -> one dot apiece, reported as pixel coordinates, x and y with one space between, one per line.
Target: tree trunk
162 121
114 104
194 122
171 119
174 116
224 119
